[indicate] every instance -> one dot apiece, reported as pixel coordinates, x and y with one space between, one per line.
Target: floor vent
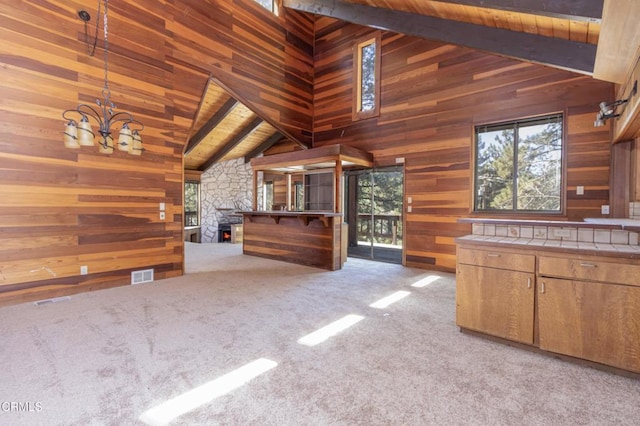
139 277
54 300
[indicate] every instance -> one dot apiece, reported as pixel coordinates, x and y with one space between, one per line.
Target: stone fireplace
226 188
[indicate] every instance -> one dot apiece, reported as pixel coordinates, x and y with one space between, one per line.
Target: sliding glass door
373 210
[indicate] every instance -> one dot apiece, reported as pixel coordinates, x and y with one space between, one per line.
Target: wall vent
53 300
144 276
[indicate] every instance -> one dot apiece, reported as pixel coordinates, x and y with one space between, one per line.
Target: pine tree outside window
519 166
366 90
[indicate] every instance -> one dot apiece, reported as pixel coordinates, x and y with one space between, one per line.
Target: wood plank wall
62 208
432 95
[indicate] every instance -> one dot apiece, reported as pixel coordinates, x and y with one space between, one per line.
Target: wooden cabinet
582 306
495 301
590 309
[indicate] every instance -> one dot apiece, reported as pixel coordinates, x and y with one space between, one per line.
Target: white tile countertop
608 236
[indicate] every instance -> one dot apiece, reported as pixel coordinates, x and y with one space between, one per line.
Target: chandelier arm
84 110
90 111
126 117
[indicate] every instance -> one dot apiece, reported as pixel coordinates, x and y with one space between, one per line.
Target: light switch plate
162 207
579 190
604 209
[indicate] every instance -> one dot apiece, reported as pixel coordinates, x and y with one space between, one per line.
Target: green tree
387 201
534 173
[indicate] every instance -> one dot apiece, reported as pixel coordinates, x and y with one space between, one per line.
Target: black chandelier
78 131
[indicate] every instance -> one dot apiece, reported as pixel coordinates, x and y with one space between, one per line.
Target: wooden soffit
619 44
315 158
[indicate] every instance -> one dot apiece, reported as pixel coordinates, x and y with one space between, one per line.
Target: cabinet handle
588 265
529 282
542 287
493 255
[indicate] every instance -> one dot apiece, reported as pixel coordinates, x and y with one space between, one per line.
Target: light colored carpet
105 358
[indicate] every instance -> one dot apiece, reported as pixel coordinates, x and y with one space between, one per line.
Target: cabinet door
496 302
595 321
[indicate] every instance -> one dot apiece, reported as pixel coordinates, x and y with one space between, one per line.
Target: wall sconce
78 131
608 111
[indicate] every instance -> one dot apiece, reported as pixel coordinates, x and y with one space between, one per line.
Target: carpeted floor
131 355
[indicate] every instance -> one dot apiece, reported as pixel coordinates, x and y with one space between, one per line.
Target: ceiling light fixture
608 111
79 133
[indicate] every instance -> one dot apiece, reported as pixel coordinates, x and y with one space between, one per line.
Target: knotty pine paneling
432 95
62 208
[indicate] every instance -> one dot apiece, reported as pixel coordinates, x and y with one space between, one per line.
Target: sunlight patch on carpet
189 401
389 300
425 281
330 330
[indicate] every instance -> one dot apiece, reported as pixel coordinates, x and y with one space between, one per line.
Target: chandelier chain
105 24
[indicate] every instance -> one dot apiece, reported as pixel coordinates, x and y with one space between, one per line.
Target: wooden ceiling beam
211 124
268 143
566 54
219 154
575 10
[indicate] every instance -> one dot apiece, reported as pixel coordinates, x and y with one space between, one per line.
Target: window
298 199
319 191
519 166
191 203
267 195
270 5
367 78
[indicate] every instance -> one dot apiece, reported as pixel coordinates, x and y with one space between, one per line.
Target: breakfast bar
307 238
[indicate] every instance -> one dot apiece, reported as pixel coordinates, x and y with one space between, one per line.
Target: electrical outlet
399 160
579 190
604 209
84 270
409 208
409 200
162 215
565 233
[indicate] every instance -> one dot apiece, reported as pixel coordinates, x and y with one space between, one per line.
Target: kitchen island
306 238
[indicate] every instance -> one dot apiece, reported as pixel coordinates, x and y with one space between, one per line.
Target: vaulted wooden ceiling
557 33
226 129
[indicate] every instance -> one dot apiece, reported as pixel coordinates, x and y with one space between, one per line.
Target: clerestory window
366 89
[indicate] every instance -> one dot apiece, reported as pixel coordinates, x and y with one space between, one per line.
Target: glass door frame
352 214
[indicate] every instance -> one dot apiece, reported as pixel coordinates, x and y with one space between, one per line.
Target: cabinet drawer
497 259
589 270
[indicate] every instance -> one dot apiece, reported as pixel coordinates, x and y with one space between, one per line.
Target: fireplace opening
224 233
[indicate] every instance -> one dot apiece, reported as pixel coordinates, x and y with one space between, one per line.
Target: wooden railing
384 226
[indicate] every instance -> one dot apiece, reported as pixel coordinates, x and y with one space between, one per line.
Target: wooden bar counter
306 238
